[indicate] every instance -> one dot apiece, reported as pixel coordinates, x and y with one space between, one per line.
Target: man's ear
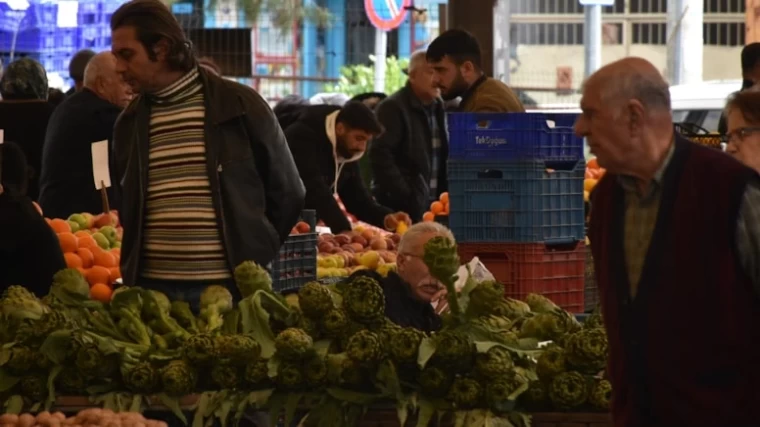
467 67
161 50
340 128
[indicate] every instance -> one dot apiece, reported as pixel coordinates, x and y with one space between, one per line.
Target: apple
105 219
101 240
388 256
325 247
378 243
74 226
358 247
82 221
390 243
359 240
110 232
325 237
342 239
396 238
368 234
369 259
303 227
349 248
90 220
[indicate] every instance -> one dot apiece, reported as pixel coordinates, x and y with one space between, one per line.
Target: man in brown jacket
455 57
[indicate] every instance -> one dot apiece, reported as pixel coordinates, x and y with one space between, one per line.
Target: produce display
86 417
92 245
362 248
330 352
593 174
438 208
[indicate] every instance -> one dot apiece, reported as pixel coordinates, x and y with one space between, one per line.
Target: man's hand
392 221
442 305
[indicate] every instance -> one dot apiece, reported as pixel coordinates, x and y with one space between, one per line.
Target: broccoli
551 363
363 300
181 312
289 376
257 373
141 378
334 322
293 344
225 376
34 387
127 306
405 344
178 378
364 347
586 350
315 300
200 349
434 381
21 360
540 304
494 363
251 277
156 310
216 301
568 390
465 393
238 349
69 285
18 292
485 297
601 395
21 306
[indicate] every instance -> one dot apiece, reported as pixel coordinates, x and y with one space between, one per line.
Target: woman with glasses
743 134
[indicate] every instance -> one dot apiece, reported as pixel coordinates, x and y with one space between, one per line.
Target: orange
105 259
98 274
68 241
589 184
101 292
37 206
82 271
88 259
444 198
72 260
446 208
115 274
60 226
592 163
436 208
89 243
82 233
116 252
428 216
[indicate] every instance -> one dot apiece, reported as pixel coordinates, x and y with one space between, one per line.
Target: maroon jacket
686 350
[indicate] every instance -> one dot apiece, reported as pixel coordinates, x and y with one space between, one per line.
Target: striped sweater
182 234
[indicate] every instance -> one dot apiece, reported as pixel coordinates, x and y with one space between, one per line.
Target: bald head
631 78
421 77
101 77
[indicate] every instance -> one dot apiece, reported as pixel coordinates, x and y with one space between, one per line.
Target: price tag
2 136
100 171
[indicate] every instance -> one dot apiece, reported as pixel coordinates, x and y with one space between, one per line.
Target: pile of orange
593 174
438 208
99 266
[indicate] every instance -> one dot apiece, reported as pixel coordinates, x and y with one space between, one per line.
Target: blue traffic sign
386 15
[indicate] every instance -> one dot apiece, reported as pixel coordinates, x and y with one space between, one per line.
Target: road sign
386 15
597 2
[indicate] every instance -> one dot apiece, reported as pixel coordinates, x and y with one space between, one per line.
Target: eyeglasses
738 135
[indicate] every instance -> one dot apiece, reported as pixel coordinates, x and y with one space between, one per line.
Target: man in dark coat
327 142
88 116
76 69
409 158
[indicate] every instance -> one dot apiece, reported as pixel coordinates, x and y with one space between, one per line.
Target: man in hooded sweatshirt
327 142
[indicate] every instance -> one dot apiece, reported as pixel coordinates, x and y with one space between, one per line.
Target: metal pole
501 47
381 47
692 41
412 28
592 38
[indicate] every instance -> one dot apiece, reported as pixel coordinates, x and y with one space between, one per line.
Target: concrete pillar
475 16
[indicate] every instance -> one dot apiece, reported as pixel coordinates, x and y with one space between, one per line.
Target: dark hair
78 63
154 22
356 115
55 96
15 171
750 56
459 45
748 103
209 63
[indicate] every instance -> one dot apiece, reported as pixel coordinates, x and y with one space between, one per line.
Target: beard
458 88
342 150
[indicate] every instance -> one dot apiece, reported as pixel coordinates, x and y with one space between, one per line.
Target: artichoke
454 350
494 323
364 347
92 363
442 259
363 300
141 378
225 376
178 378
310 326
334 322
536 397
586 350
351 374
548 326
251 277
200 349
595 320
315 300
601 395
21 361
42 362
293 344
34 387
568 390
289 376
485 297
315 371
511 308
405 344
494 363
434 381
551 363
257 373
16 291
238 349
540 304
72 382
501 391
464 393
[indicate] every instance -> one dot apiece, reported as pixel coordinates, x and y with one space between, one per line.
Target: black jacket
402 309
400 157
314 154
66 183
25 123
255 185
29 250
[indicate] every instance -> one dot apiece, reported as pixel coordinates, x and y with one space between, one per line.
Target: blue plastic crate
513 136
40 40
519 202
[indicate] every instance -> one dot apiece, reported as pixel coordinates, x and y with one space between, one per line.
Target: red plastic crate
555 271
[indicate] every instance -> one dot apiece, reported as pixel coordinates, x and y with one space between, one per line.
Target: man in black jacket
409 158
203 165
66 182
327 143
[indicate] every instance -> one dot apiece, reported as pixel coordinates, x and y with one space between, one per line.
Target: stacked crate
516 201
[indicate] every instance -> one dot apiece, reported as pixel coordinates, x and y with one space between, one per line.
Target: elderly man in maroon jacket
675 238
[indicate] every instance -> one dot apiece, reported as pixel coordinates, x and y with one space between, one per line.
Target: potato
44 418
9 419
54 422
60 416
26 420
